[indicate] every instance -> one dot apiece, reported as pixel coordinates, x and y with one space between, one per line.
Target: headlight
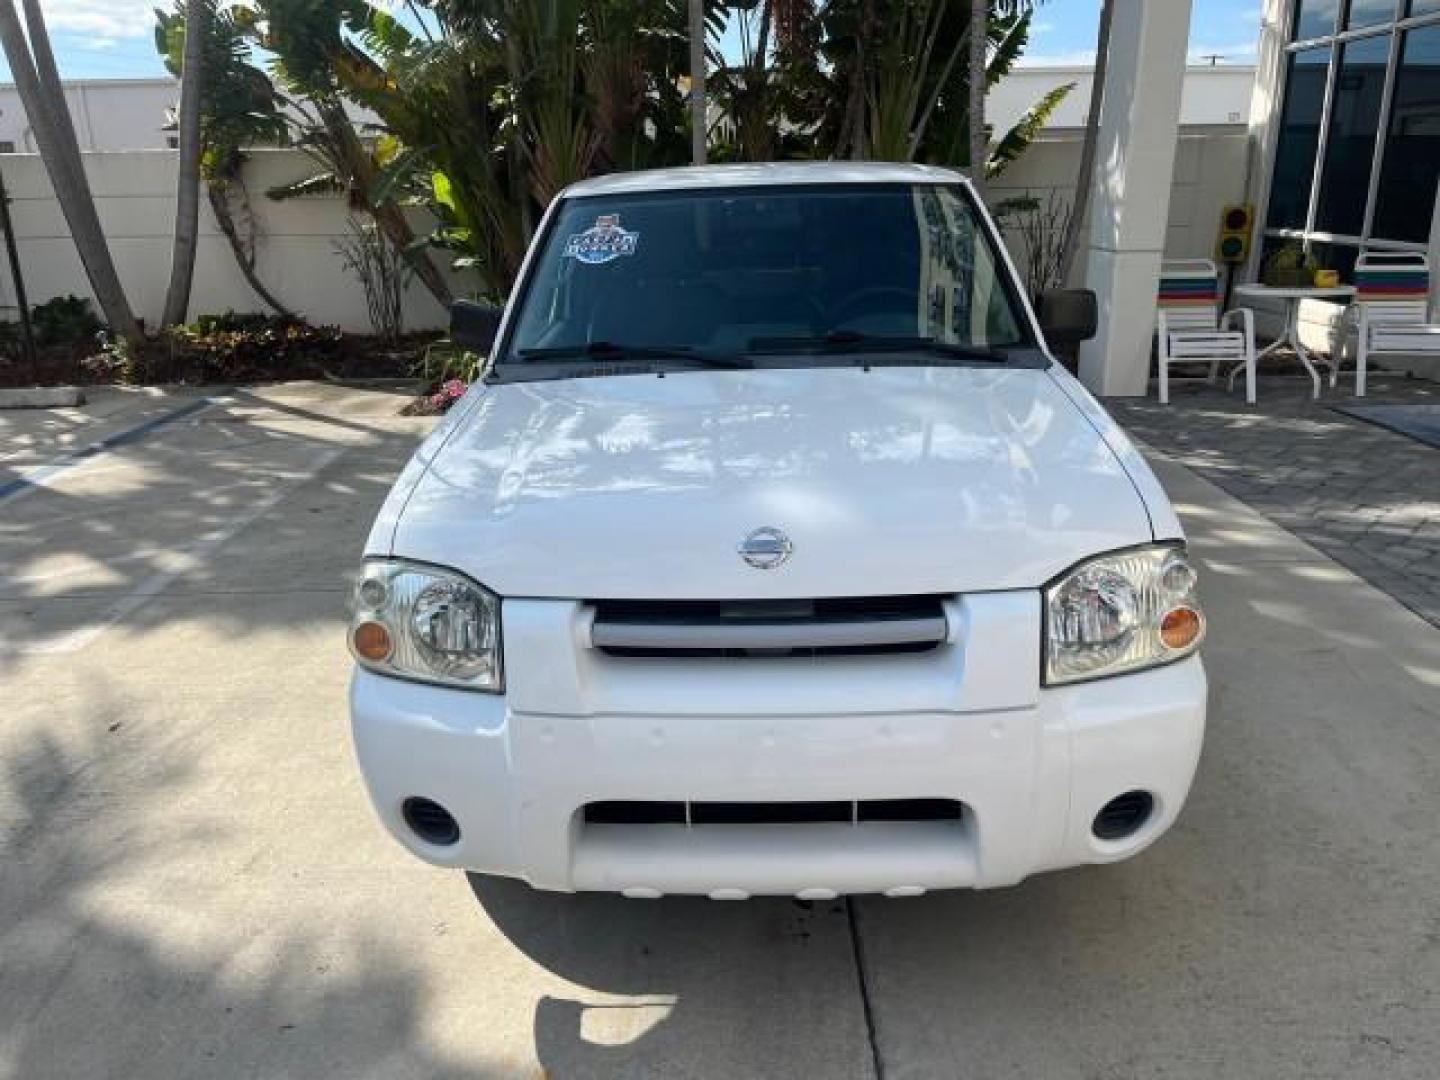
422 622
1121 612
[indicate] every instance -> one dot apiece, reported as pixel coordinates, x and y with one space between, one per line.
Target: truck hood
887 482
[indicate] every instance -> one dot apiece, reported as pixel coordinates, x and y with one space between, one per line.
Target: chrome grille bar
778 635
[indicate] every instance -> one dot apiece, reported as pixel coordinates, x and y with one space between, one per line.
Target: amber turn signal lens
372 641
1180 627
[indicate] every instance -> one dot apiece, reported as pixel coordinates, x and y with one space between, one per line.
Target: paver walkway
1366 496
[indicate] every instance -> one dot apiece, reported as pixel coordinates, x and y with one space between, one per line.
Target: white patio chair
1191 330
1391 311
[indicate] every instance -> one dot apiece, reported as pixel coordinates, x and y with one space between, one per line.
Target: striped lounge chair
1391 309
1191 329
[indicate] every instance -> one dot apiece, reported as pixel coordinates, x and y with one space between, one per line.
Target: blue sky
111 39
1065 31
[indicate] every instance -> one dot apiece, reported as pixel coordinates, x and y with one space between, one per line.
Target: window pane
1369 13
1299 138
1412 146
1336 257
1354 123
1424 7
1316 18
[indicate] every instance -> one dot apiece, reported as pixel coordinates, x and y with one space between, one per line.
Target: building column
1134 168
1265 104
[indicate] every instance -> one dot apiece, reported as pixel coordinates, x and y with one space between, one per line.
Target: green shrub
444 360
10 348
230 321
65 320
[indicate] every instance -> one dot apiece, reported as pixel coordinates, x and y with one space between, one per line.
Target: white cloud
93 44
110 20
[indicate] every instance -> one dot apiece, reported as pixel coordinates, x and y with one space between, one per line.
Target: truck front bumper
1031 781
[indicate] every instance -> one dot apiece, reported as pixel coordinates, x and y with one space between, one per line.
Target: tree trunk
1085 179
853 130
757 82
187 191
699 117
49 119
52 86
979 40
220 204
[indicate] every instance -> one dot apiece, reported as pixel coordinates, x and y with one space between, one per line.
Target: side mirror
1068 317
474 325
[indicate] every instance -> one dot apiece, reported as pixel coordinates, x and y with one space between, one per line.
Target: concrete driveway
192 884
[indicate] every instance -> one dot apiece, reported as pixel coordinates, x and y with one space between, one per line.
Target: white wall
1209 173
134 193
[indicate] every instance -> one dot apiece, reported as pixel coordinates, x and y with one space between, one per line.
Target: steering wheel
865 301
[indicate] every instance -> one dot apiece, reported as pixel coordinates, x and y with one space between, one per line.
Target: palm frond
315 185
1014 35
1019 137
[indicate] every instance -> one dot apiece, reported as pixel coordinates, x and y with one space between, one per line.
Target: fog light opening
1124 815
430 821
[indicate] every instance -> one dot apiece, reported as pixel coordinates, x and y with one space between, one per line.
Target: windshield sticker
603 242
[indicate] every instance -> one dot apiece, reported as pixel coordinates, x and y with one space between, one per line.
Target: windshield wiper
843 342
602 351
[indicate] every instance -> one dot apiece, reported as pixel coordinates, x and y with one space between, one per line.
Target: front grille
853 626
697 814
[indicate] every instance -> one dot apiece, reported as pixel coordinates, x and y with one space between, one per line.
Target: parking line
40 475
206 546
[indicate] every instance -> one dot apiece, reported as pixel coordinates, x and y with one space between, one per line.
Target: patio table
1291 336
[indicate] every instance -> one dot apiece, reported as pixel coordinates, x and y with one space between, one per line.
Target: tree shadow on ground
116 962
254 494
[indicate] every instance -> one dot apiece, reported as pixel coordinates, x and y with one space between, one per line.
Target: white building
1347 117
109 114
1213 96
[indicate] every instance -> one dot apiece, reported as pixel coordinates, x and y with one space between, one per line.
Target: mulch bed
314 353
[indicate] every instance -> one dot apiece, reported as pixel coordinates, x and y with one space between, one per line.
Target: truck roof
764 174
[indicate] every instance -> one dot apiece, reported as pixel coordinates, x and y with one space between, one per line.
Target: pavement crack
862 978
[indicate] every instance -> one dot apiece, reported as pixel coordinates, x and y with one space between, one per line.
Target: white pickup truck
775 554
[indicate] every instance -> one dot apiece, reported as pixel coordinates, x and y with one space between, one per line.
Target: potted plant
1289 267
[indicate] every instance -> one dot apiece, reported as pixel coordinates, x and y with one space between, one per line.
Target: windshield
729 272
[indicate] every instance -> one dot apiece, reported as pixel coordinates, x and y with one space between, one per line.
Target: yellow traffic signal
1237 224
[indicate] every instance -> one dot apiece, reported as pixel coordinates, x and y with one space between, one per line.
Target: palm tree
699 119
37 80
979 40
980 76
314 50
187 193
1085 180
239 108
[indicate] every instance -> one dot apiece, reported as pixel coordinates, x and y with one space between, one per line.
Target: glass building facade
1357 154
